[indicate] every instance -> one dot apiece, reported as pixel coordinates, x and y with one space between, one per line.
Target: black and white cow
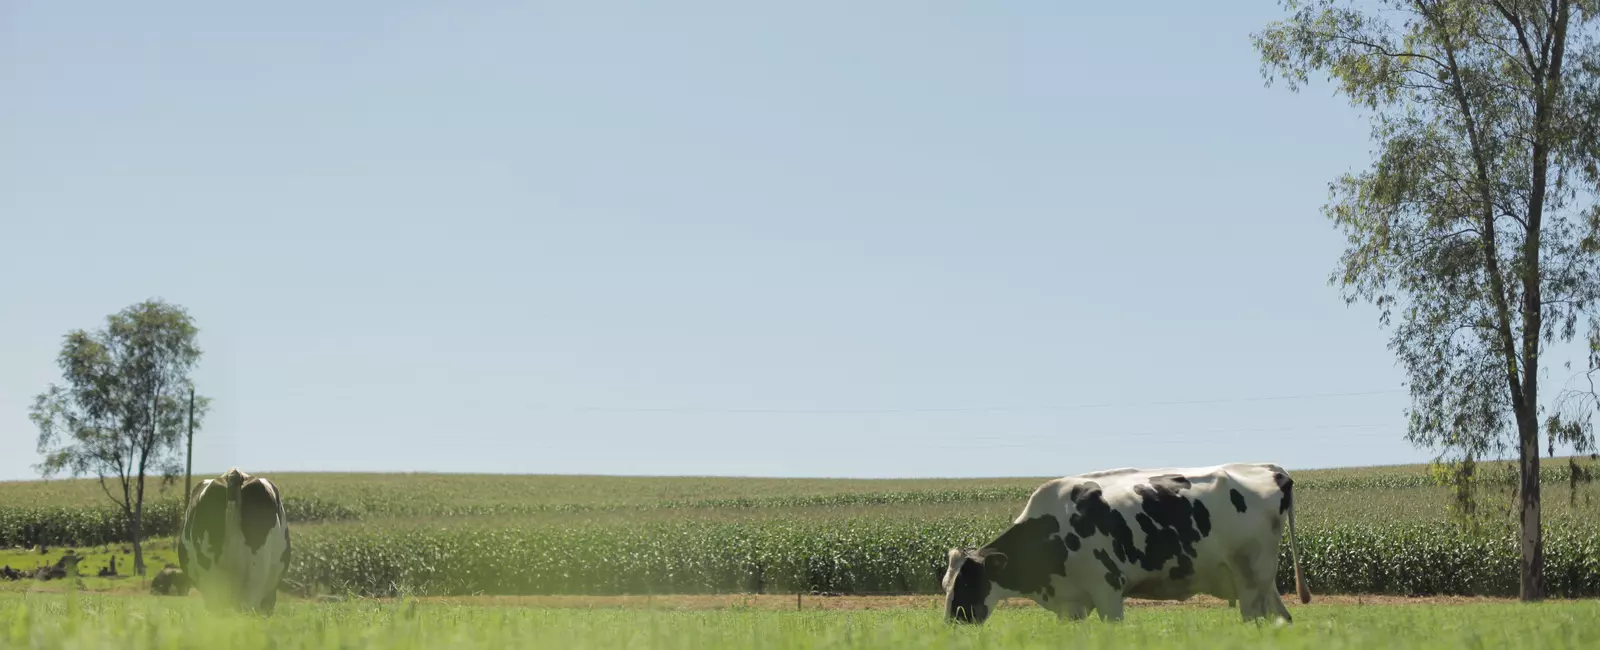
234 545
1085 542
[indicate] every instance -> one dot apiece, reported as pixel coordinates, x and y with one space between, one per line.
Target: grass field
138 623
1362 530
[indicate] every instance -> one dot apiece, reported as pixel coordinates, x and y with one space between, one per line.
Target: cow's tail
1294 546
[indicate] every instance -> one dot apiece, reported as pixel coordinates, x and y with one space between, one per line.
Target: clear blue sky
494 236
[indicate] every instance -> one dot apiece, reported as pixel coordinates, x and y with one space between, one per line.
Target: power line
970 409
1176 436
1193 433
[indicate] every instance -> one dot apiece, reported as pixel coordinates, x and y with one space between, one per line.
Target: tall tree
1477 222
120 415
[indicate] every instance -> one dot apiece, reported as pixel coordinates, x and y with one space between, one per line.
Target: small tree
1477 223
120 416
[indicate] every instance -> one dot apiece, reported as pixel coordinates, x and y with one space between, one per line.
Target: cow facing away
234 546
1084 543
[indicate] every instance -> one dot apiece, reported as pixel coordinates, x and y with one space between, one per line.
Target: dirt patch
924 602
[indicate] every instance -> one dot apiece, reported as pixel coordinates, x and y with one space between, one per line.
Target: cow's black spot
1114 576
204 525
1237 499
1122 539
1034 551
258 513
1184 569
1160 544
1168 522
1073 543
967 598
1285 484
1172 482
1092 509
1171 511
1095 515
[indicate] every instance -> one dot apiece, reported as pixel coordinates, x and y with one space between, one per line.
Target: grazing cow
1085 542
234 546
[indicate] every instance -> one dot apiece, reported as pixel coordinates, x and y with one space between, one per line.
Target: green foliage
852 555
868 555
120 415
121 412
1477 222
1402 493
1433 560
28 526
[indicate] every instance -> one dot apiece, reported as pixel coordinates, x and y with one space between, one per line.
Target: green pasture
141 623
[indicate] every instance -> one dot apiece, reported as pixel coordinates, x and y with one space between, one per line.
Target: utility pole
188 462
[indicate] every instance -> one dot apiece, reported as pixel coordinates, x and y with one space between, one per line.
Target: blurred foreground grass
140 623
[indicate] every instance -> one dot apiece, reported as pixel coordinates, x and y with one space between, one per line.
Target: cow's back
1163 533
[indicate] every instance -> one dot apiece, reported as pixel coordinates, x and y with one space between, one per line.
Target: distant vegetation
1364 530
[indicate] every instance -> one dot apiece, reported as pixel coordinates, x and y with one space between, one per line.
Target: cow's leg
1108 604
1072 611
269 603
1278 608
1266 566
1247 586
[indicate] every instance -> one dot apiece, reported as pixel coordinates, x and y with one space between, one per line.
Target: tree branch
1534 69
1491 250
107 489
1376 48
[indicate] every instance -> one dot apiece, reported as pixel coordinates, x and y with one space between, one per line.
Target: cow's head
969 589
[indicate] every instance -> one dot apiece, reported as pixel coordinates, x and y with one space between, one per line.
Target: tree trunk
188 458
1528 501
138 523
138 553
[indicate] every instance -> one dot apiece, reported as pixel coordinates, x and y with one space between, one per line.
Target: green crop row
56 525
1551 472
858 555
27 526
865 555
908 497
1422 560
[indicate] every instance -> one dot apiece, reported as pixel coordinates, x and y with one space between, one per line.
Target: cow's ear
994 561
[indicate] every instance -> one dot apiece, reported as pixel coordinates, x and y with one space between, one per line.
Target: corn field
1363 530
870 556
